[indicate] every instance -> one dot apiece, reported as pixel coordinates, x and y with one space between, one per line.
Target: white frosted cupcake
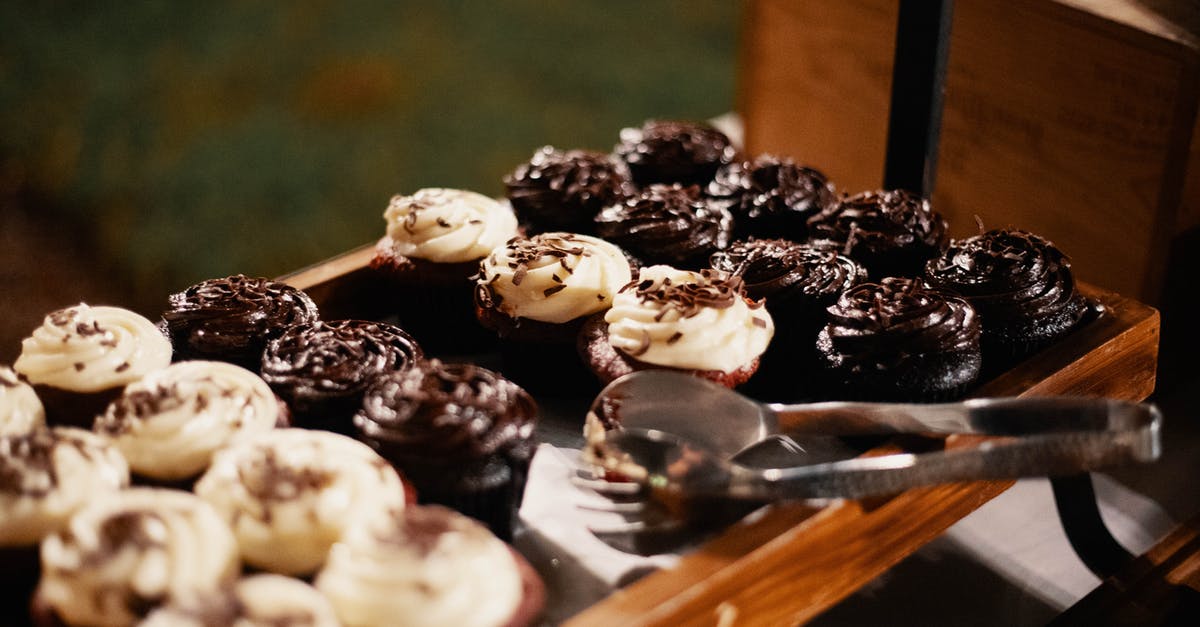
122 556
258 600
169 423
435 239
80 357
696 322
20 409
289 494
432 567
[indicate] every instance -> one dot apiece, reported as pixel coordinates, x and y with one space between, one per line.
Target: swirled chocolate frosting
779 270
880 326
669 151
771 196
312 362
447 414
892 233
1014 279
563 191
233 318
667 224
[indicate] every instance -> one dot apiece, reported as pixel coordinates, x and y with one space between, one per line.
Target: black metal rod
918 85
1079 513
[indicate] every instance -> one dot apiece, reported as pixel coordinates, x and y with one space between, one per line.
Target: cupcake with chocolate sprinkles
461 433
563 191
771 196
263 599
232 319
1020 284
536 292
667 224
321 369
898 340
672 151
701 323
20 409
797 282
892 233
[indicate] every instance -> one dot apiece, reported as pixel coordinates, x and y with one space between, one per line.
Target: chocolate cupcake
796 282
667 224
898 340
122 556
290 494
893 233
262 599
20 409
461 433
771 196
424 264
233 318
428 566
563 191
81 357
696 322
536 292
169 423
1020 284
669 151
322 369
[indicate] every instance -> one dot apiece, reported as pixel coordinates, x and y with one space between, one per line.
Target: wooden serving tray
794 561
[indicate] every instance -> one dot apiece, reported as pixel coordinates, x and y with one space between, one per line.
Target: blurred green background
169 142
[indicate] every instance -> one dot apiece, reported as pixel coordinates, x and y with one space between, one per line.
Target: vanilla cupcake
265 599
434 242
122 556
697 322
169 423
20 409
289 494
536 292
429 566
81 357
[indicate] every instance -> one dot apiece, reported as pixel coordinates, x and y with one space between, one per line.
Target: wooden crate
1073 120
796 561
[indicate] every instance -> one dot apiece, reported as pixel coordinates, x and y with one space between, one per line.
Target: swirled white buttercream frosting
427 566
169 423
88 349
689 320
553 277
290 493
48 474
123 555
264 600
448 225
20 408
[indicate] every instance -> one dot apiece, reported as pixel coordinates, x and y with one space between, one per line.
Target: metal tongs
681 437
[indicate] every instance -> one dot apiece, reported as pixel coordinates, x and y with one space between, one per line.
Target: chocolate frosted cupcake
322 369
462 434
696 322
900 341
20 409
563 191
169 423
535 293
268 600
1020 284
233 318
429 567
771 196
434 242
892 233
667 224
81 357
668 151
796 282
